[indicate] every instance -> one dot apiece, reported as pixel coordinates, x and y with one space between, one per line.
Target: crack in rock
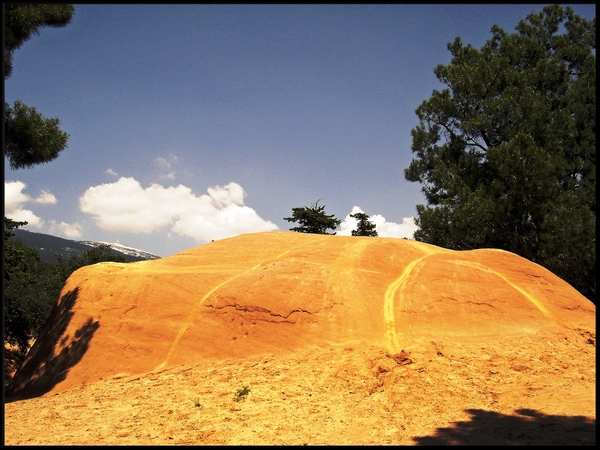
258 311
464 301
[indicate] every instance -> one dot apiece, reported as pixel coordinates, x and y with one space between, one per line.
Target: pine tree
364 226
507 152
29 138
313 219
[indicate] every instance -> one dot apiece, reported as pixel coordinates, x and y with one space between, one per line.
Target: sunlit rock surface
281 292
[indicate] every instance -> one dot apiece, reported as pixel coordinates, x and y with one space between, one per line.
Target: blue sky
190 123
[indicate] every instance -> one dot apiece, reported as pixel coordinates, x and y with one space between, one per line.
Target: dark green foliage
10 225
20 308
21 21
364 226
32 286
507 153
313 220
99 253
30 138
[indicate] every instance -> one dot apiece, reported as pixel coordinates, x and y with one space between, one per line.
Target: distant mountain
49 246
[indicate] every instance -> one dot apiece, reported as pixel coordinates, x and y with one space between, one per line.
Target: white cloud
384 228
226 196
46 197
111 172
13 195
69 230
25 215
14 198
406 229
126 206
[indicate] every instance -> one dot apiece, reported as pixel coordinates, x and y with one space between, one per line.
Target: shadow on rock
526 427
42 369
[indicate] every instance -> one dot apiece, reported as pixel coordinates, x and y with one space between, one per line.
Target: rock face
279 292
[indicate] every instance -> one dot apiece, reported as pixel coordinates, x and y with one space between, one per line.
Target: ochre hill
279 292
330 339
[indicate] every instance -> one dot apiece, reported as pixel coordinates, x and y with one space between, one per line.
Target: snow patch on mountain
123 249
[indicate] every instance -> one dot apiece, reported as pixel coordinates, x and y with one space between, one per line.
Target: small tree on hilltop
364 227
313 219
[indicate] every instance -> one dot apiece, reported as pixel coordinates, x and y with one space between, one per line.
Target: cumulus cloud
127 206
384 228
111 172
13 194
25 215
232 194
69 230
46 197
15 198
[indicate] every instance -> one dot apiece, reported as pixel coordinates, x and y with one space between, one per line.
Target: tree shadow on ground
525 427
42 369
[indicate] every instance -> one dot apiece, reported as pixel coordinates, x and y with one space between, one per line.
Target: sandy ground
486 394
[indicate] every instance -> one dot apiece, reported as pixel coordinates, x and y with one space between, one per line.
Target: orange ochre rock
277 292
